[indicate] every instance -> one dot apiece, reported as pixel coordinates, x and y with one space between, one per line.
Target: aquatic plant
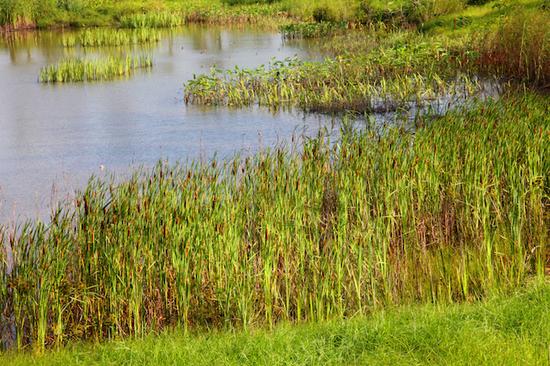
78 70
108 37
333 85
454 212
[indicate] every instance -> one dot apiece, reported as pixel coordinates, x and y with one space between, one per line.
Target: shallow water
54 137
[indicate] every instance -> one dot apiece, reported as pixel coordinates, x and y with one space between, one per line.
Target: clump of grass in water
382 70
107 37
450 214
334 85
152 20
79 70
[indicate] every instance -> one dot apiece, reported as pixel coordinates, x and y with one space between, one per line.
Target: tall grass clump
108 37
452 213
263 14
519 48
405 13
18 13
376 68
152 20
309 30
79 70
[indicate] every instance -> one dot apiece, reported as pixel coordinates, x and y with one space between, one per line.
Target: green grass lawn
512 330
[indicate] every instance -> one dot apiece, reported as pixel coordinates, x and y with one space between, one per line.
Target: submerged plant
373 69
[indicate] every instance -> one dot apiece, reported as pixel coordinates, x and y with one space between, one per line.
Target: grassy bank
452 213
16 14
503 331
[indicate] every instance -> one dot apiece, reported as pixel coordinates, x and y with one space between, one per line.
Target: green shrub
323 14
367 13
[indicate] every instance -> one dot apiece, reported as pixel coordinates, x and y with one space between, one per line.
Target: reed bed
519 49
452 213
265 15
79 70
109 37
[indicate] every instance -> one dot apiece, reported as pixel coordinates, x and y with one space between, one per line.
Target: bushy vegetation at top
109 12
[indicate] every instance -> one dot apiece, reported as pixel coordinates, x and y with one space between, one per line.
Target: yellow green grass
502 331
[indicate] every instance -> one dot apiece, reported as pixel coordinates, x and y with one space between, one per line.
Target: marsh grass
268 16
452 213
109 37
80 70
152 20
519 49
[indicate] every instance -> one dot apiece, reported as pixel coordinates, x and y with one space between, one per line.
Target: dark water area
54 137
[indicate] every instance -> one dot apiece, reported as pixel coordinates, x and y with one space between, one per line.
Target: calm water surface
54 137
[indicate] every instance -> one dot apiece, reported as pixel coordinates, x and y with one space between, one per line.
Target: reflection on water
62 134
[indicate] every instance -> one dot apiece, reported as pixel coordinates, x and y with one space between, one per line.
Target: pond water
54 137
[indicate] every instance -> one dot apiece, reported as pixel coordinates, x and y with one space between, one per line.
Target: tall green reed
333 85
519 49
454 212
152 20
